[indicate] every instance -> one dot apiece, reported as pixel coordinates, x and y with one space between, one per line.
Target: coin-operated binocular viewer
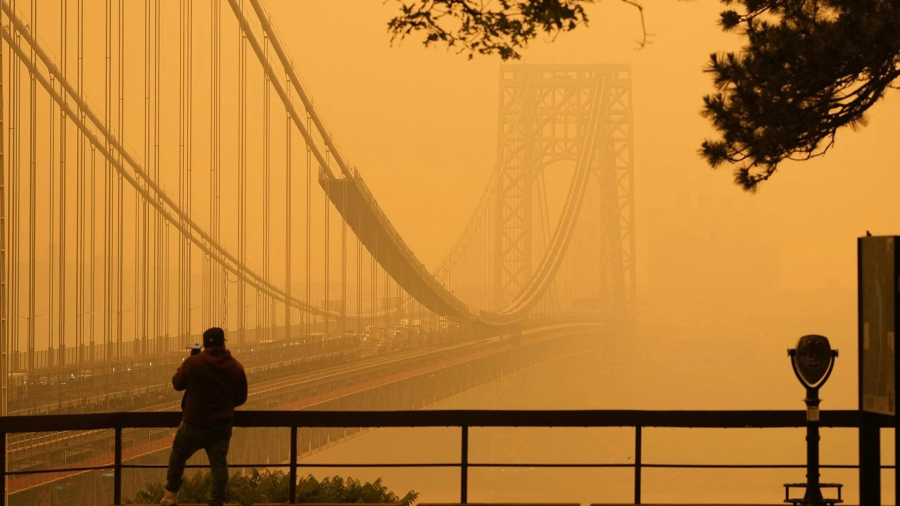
813 361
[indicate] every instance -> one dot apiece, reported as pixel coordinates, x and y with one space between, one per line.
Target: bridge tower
544 117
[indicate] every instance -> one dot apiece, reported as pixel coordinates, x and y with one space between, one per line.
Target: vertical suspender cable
4 291
267 176
160 256
387 297
217 132
181 177
358 285
51 215
373 282
145 233
62 194
188 158
344 258
79 206
107 234
32 123
212 283
287 218
307 316
140 308
14 210
208 284
63 30
93 285
327 305
242 248
164 251
184 115
120 194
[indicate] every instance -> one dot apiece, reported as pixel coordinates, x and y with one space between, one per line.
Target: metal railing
419 419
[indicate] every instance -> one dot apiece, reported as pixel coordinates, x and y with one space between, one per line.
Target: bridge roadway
259 390
302 391
352 198
146 380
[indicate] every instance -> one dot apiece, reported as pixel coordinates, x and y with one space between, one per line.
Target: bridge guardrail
638 419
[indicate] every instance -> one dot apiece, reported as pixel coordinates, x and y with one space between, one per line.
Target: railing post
464 467
292 474
637 464
117 468
869 459
3 467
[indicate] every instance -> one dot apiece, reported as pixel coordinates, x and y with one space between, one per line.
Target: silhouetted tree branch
809 68
490 27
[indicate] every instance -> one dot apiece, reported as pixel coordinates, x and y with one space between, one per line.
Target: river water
655 369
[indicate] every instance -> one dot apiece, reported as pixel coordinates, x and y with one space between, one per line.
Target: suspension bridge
165 169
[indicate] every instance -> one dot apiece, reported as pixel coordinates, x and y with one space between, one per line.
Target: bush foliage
272 487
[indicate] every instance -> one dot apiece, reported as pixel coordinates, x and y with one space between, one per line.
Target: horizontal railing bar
748 466
198 466
62 470
600 465
457 464
459 418
299 465
397 465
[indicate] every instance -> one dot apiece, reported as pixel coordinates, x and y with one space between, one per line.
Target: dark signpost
877 273
813 361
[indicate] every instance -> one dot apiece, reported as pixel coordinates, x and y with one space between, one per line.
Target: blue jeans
188 440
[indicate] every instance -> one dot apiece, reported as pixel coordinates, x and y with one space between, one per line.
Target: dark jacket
215 384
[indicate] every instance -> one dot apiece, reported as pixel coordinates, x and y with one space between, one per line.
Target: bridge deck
356 204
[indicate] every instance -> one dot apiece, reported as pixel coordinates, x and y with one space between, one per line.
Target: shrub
272 487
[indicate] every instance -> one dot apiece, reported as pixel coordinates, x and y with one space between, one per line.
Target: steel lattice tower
544 117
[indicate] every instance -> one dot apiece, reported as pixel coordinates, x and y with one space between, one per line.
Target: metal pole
869 427
813 493
464 467
292 474
3 496
638 461
893 345
117 469
869 459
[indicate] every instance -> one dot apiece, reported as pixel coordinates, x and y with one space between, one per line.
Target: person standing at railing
215 384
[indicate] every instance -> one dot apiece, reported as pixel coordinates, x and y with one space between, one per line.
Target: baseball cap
213 337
